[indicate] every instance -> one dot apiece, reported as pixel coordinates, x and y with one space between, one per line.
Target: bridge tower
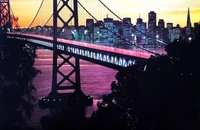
57 85
5 13
4 20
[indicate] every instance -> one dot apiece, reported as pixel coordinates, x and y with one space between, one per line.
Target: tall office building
174 33
97 31
169 25
127 28
82 31
152 28
140 31
89 24
107 35
188 25
127 20
117 29
161 27
90 27
196 29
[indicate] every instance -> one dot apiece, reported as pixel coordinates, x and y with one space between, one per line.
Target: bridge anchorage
55 98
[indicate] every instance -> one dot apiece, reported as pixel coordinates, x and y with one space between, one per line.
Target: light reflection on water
95 81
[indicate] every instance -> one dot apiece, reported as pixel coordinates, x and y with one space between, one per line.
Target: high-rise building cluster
155 35
151 34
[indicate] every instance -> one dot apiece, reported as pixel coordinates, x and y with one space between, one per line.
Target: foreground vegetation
16 84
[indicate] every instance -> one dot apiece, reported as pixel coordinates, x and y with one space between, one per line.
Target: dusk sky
174 11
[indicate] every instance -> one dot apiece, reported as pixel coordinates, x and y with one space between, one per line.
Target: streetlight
157 36
63 33
135 39
83 35
132 38
85 32
74 34
190 39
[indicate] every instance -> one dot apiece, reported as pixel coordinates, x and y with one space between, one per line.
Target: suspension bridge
66 49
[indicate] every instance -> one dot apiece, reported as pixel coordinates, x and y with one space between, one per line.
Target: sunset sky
174 11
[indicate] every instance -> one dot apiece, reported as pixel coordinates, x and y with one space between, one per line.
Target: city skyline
170 11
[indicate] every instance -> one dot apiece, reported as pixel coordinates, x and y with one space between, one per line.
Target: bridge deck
134 52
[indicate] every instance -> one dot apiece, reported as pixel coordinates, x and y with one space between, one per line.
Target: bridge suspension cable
34 17
128 23
87 11
48 19
118 35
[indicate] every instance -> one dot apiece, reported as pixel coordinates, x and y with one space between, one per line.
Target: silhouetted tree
108 118
16 84
70 117
170 99
164 93
122 98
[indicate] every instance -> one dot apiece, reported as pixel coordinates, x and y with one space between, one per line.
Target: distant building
152 28
188 31
174 33
107 32
127 20
127 29
90 28
196 28
161 27
82 33
117 29
97 31
89 24
141 31
104 36
169 26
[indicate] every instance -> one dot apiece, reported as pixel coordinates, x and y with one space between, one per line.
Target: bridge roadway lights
64 99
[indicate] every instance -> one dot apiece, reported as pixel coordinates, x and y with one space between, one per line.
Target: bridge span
111 57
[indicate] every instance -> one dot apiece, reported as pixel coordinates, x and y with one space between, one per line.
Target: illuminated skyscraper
169 25
90 27
161 26
141 31
127 20
152 28
174 33
97 31
89 24
127 29
107 35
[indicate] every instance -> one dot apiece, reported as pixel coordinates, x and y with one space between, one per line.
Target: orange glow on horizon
169 10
